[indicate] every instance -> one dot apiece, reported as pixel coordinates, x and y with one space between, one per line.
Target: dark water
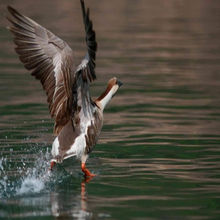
159 152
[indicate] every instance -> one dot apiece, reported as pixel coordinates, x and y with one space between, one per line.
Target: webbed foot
86 172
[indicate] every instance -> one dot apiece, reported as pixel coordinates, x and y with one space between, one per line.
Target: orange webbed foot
86 172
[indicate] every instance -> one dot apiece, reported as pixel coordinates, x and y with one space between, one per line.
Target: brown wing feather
51 62
85 72
87 66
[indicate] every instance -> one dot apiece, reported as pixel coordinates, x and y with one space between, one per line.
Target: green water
158 155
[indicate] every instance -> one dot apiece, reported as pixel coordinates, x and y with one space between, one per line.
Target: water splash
31 180
37 177
3 180
31 185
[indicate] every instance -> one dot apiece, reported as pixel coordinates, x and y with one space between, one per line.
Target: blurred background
158 155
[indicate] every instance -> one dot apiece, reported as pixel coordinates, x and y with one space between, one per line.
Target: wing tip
10 8
13 15
12 11
83 8
8 16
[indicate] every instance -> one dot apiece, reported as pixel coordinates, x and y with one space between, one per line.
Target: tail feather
59 160
69 155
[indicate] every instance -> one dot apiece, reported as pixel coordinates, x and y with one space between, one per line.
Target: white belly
77 149
55 148
78 146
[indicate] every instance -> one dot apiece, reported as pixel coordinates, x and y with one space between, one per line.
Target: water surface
158 156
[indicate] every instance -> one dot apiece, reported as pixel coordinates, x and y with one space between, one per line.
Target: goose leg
52 164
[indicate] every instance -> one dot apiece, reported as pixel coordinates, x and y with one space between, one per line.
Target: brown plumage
78 119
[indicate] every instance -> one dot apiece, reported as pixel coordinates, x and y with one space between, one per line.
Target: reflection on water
158 156
77 205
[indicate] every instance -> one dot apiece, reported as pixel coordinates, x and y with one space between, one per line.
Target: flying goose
78 118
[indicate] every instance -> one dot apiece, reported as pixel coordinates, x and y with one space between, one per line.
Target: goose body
78 118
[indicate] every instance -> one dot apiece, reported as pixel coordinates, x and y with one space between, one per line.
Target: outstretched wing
85 72
51 62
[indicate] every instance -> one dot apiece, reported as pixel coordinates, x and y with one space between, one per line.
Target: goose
78 119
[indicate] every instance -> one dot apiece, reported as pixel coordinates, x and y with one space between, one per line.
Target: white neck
107 98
